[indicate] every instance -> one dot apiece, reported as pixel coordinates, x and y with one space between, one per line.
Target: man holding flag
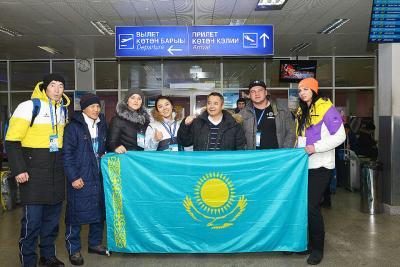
214 130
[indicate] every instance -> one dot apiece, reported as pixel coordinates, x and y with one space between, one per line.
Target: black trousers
318 180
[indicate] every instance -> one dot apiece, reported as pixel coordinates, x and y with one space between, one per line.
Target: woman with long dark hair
319 130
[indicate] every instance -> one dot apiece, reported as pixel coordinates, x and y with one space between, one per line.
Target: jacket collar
141 116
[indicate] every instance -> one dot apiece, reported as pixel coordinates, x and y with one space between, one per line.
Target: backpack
36 110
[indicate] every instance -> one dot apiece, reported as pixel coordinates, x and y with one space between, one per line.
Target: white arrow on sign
264 36
171 50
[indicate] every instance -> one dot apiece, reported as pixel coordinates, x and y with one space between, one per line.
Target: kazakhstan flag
206 202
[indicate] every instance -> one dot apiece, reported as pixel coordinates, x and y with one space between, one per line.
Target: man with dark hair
213 130
34 143
265 125
240 104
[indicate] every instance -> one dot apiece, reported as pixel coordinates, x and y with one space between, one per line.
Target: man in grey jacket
266 126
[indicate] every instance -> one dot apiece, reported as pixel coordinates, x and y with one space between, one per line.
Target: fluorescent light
300 46
103 27
333 26
9 31
270 4
50 50
237 22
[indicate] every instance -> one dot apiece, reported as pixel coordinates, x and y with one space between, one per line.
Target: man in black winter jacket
214 130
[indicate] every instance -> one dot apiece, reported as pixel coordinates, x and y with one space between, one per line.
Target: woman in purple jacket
319 130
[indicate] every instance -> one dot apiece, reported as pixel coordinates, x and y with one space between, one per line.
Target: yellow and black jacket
28 149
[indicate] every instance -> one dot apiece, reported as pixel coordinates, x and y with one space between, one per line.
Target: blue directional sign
385 21
179 41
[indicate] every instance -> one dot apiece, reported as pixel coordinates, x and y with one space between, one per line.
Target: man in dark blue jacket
84 144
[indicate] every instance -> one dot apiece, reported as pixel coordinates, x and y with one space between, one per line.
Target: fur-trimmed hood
141 116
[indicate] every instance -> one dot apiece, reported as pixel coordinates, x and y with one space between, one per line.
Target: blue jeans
38 220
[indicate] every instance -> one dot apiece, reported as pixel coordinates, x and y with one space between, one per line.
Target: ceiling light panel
333 26
270 4
10 31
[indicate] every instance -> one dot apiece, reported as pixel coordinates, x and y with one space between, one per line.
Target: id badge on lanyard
53 147
258 138
173 147
53 143
140 140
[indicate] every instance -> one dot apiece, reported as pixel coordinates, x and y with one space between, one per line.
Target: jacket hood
141 116
41 94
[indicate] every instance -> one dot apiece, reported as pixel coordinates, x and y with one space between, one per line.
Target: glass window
3 76
67 69
194 74
326 93
353 102
273 74
354 72
324 71
106 74
26 74
238 73
141 74
280 97
17 98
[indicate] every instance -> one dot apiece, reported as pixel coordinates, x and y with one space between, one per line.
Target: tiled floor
352 239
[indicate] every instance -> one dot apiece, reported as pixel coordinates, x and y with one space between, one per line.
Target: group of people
43 149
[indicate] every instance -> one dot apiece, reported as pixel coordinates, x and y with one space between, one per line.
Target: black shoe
101 250
315 257
76 258
51 262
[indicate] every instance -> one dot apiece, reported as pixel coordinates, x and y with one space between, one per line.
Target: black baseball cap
257 83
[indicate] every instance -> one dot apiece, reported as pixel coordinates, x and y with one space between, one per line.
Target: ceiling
65 24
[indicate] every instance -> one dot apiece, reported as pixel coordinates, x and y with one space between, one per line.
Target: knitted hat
89 99
257 83
310 83
52 77
133 92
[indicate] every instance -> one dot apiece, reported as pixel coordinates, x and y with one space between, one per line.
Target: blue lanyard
171 133
259 119
51 115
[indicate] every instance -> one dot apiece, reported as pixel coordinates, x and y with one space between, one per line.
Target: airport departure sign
385 21
184 41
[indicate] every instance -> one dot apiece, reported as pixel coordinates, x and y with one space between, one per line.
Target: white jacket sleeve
149 143
329 142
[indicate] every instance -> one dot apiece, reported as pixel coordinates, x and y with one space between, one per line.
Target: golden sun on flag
214 193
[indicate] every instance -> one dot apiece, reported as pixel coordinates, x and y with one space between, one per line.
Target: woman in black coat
127 128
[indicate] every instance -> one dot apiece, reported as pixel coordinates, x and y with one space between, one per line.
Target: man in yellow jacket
34 143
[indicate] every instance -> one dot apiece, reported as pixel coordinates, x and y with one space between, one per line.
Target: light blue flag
206 202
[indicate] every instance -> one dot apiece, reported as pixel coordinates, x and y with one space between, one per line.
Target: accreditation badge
258 138
54 143
140 140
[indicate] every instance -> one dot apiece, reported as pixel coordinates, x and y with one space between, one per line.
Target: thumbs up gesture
158 136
